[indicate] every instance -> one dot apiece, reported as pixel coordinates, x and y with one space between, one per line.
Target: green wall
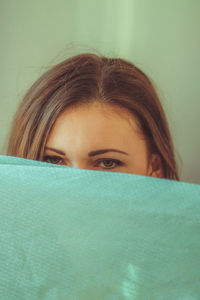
161 37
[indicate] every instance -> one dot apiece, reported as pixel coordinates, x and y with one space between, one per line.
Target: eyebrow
90 154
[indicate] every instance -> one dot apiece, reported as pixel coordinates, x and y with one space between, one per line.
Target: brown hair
83 79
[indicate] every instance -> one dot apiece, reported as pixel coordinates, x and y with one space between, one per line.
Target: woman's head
93 103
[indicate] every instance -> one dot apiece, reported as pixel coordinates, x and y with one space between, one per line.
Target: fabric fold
73 234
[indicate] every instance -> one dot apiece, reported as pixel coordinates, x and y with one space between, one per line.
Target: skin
91 127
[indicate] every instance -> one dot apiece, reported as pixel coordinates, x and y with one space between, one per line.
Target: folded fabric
72 234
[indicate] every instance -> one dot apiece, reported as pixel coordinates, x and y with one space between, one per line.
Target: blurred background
160 37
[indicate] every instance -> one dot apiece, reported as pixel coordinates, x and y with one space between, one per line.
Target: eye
53 159
108 163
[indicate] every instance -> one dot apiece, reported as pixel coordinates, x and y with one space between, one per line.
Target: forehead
100 115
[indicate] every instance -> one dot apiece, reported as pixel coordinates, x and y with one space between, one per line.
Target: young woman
98 113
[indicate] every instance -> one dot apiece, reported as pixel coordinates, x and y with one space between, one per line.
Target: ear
155 166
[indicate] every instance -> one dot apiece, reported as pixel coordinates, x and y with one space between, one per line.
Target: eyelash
117 162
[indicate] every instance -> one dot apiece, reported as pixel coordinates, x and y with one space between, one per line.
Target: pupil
108 163
55 160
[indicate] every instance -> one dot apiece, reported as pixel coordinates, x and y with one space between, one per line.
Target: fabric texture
71 234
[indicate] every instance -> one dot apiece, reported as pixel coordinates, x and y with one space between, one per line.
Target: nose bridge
78 157
79 164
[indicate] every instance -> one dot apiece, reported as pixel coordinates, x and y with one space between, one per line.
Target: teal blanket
72 234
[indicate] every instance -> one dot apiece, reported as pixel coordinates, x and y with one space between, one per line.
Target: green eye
52 159
108 163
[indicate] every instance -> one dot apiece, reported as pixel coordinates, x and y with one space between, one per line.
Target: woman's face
100 137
